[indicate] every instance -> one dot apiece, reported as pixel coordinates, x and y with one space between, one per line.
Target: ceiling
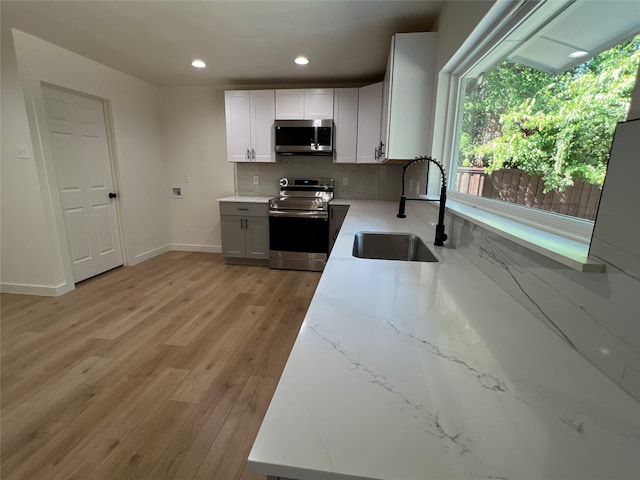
584 25
242 42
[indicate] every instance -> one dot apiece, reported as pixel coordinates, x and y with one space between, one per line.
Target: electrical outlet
345 180
186 178
23 151
256 180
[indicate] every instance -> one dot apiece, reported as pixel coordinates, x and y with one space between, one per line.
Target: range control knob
284 182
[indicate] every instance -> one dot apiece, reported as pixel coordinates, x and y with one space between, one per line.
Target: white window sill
572 253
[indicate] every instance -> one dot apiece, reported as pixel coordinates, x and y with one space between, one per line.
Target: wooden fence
514 186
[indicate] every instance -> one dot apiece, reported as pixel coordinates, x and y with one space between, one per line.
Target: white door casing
80 148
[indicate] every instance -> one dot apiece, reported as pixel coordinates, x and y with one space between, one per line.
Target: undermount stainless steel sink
391 246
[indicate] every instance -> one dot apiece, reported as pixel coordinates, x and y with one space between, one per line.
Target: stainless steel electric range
299 224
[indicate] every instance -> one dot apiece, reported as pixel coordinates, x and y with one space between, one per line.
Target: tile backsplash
366 182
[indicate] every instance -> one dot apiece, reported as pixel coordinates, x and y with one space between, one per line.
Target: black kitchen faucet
441 237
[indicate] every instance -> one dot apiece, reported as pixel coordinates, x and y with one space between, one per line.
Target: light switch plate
256 180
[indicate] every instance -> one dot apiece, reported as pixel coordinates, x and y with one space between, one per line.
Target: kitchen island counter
410 371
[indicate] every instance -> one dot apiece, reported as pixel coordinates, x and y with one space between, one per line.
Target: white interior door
78 135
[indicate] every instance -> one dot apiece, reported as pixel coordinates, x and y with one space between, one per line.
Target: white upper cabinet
300 104
318 103
369 113
249 118
408 101
263 114
290 104
238 114
345 118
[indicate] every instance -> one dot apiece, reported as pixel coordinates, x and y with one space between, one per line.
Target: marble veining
420 371
491 252
606 258
594 313
616 232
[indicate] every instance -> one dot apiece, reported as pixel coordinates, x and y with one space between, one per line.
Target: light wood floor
162 370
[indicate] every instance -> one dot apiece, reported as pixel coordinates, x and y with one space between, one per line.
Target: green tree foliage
557 126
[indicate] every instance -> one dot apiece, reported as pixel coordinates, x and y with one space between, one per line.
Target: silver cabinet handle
253 154
246 224
376 155
248 155
241 227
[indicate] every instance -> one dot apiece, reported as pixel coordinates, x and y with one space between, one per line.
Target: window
536 113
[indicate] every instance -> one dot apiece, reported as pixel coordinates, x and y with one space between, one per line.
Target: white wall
26 255
141 164
456 22
195 145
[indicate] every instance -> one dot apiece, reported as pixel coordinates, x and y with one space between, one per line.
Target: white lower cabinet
245 232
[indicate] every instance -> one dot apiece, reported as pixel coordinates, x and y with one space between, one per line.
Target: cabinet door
386 98
238 115
233 236
345 118
411 91
290 104
257 237
369 112
263 113
318 103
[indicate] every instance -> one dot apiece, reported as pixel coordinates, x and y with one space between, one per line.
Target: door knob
112 195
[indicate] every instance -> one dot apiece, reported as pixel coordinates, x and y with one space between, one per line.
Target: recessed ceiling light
578 54
301 60
198 64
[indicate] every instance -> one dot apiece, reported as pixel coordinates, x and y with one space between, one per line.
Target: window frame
485 49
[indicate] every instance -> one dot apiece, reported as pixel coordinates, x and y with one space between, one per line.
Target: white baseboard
43 290
187 247
141 257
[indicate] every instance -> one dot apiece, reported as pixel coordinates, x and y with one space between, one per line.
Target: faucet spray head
441 236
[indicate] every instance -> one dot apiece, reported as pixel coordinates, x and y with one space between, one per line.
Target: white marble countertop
245 198
430 371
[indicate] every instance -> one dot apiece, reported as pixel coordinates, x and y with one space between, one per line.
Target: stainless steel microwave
304 137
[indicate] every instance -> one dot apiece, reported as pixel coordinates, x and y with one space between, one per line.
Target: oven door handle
298 214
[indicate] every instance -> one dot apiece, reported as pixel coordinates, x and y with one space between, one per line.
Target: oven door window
306 235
